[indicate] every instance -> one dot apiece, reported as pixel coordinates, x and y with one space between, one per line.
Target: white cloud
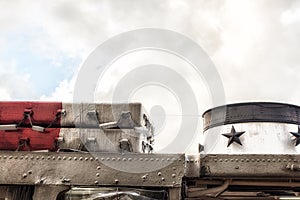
13 84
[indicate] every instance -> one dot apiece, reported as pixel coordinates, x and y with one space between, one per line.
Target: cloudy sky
254 45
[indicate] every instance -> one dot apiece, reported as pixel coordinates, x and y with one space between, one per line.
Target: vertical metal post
175 193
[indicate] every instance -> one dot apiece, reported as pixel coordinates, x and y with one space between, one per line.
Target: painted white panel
259 138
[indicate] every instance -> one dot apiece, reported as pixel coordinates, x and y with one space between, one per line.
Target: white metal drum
252 128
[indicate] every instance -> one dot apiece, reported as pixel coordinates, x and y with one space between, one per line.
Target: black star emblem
297 136
234 136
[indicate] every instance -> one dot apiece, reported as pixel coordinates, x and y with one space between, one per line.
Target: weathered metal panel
40 168
93 139
57 114
93 114
284 166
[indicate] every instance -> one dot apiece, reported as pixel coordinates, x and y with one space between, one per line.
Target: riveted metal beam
250 166
85 169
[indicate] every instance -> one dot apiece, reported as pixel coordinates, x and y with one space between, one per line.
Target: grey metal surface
40 168
96 139
192 165
285 166
251 112
91 115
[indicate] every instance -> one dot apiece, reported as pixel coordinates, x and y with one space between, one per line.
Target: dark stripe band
251 112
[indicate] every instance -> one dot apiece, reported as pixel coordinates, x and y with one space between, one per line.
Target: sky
253 44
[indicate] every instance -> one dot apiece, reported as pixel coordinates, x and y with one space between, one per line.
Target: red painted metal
43 113
27 139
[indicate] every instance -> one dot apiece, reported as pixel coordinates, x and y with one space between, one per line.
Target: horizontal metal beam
222 165
88 169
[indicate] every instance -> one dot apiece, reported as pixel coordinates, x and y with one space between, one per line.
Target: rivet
124 159
42 180
257 160
242 160
70 158
279 160
102 159
144 177
253 160
162 159
295 160
151 159
48 158
179 159
129 159
58 158
119 159
216 160
97 174
26 157
96 182
231 160
108 159
41 158
225 160
141 159
24 175
86 159
75 158
263 160
157 159
162 178
37 157
274 160
174 183
269 160
30 172
146 159
159 173
66 180
91 159
284 160
21 157
31 157
168 159
64 158
10 157
220 160
174 168
236 160
113 159
247 160
98 167
96 159
116 181
173 175
4 157
237 167
53 158
80 158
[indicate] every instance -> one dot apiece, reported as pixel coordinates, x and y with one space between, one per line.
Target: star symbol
234 136
297 136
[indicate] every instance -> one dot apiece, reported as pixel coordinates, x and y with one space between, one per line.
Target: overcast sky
254 45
